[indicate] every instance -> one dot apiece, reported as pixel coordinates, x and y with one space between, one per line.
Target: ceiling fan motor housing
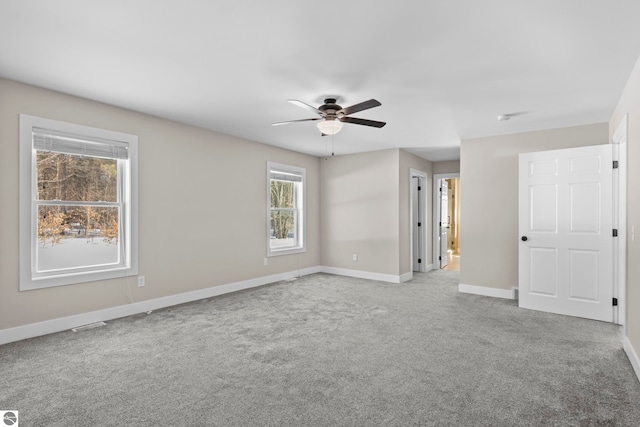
330 108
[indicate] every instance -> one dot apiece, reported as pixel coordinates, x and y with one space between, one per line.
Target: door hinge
419 260
419 224
614 301
615 164
439 258
419 188
615 232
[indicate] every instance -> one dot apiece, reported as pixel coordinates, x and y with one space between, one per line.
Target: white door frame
423 213
436 212
619 141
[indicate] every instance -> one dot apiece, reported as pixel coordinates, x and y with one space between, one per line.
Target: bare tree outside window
282 208
285 209
76 179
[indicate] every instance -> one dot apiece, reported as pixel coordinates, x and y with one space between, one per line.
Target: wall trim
486 291
619 141
422 210
65 323
632 355
435 234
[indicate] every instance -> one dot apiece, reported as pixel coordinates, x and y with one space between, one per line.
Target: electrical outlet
266 261
140 281
355 257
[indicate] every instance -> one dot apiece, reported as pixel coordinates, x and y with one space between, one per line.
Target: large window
285 209
78 203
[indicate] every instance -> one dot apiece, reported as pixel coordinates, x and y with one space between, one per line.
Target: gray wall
489 199
630 104
359 211
202 208
450 166
364 210
407 162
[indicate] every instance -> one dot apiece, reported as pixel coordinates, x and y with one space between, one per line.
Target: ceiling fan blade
360 107
307 106
365 122
294 121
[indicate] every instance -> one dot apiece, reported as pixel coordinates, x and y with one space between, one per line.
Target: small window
285 209
78 203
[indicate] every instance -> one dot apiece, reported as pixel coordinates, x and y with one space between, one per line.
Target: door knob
524 238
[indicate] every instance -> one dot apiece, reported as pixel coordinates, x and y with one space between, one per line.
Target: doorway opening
446 221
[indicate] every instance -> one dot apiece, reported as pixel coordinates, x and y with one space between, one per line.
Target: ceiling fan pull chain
332 145
326 148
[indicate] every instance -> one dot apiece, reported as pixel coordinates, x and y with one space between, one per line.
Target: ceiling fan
332 116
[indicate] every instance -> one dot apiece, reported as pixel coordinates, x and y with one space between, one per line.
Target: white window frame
30 278
300 197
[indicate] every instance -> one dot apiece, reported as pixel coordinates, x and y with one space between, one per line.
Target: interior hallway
453 261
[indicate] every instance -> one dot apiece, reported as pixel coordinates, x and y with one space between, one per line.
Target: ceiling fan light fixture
330 127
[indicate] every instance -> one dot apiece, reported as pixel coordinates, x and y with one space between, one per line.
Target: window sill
74 279
288 251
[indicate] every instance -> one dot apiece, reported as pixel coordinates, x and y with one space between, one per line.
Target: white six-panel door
565 224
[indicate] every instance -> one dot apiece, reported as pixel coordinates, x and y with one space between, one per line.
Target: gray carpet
326 350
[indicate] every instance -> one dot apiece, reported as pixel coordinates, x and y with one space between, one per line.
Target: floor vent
89 326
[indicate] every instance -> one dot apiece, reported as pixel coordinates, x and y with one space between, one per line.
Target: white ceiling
443 70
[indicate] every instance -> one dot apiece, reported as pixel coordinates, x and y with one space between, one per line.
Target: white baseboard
632 355
485 291
65 323
367 275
